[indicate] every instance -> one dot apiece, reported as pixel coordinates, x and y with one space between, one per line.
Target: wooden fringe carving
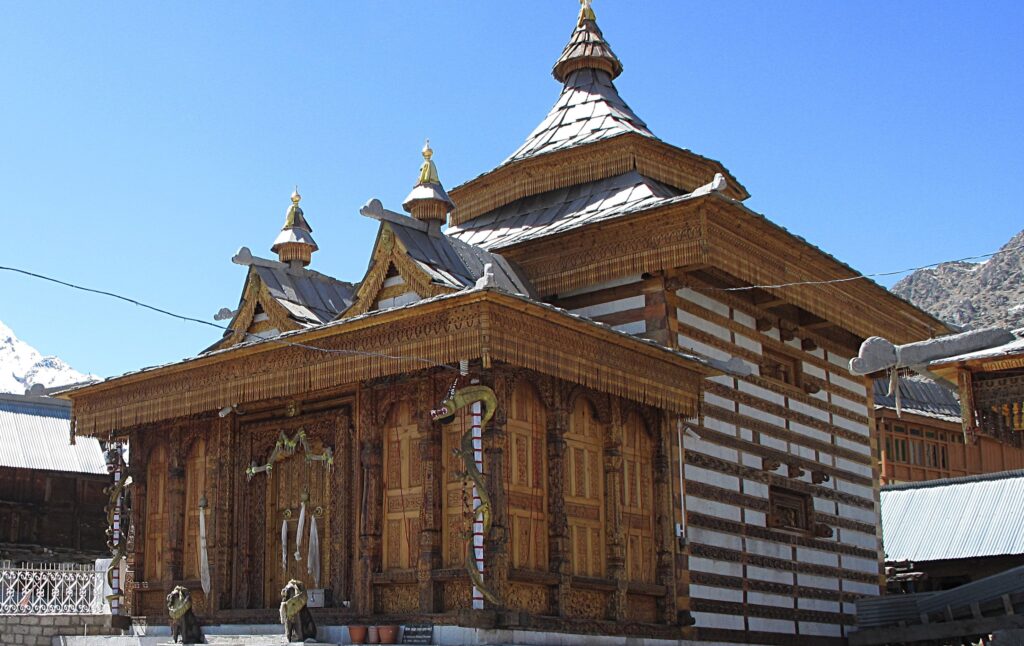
487 325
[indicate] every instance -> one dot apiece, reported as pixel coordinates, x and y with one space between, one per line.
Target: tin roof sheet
34 435
954 518
919 395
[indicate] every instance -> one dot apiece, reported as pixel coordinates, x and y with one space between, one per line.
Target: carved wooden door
287 482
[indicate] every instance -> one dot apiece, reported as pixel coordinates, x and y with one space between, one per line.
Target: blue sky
142 143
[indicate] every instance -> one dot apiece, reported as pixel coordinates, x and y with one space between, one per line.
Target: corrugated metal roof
955 518
919 395
1006 350
34 435
564 209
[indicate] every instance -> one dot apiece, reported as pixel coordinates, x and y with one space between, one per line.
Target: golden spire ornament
428 171
586 11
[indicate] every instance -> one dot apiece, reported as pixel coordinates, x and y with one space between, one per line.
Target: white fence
51 588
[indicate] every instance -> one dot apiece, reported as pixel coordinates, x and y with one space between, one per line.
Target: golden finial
586 12
428 171
295 195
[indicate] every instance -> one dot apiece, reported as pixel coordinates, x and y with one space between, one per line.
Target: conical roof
587 49
295 241
589 108
428 199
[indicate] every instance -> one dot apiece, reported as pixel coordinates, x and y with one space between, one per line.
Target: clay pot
388 634
372 636
357 633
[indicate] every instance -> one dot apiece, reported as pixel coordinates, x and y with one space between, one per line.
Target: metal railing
50 588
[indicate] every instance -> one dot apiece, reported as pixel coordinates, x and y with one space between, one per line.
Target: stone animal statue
184 623
295 616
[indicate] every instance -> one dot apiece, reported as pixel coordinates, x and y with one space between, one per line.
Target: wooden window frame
782 367
790 510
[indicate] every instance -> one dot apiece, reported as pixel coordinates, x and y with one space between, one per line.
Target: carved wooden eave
949 370
388 252
475 324
587 163
255 295
714 232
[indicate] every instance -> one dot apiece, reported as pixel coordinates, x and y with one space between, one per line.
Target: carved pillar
220 491
342 511
431 519
244 509
136 531
656 311
372 506
614 534
175 507
495 442
663 514
558 521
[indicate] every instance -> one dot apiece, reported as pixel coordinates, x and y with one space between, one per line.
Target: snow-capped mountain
21 365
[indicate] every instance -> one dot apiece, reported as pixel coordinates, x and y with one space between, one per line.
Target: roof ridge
944 482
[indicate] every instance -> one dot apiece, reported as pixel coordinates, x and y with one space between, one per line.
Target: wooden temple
671 451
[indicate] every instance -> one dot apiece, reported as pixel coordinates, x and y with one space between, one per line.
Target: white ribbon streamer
204 559
284 545
298 533
313 560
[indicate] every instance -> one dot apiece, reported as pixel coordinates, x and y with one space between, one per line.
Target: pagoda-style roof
420 261
565 209
588 110
591 134
279 297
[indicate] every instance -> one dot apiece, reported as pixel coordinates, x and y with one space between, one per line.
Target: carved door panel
195 489
287 481
584 493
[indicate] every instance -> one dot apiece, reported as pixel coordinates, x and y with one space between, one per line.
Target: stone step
250 640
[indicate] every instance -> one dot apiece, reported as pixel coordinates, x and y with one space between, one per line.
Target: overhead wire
865 276
218 326
430 362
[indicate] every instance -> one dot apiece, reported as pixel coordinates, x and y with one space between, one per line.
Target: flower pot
372 636
357 633
388 634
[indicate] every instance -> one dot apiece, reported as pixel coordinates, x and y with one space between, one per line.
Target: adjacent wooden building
923 438
674 453
51 492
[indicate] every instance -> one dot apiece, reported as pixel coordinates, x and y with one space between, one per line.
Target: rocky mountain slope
21 365
972 295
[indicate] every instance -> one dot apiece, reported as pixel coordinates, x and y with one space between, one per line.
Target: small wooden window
790 509
781 367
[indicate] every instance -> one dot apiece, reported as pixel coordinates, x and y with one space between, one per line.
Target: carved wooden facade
672 444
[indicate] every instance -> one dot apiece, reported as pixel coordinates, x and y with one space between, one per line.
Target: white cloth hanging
284 544
298 532
313 560
204 559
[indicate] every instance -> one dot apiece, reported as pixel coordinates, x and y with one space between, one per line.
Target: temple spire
295 244
587 48
428 200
